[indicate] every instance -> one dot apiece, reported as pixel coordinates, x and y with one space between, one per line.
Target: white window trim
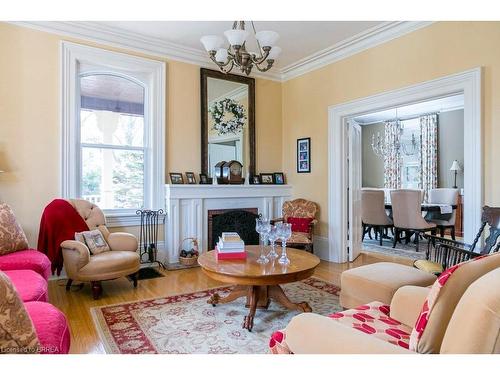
71 55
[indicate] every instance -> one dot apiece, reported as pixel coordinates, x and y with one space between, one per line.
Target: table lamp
455 167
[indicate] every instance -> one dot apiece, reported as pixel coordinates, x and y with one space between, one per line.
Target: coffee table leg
254 298
237 292
277 293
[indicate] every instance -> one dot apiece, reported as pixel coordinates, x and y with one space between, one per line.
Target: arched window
113 136
112 141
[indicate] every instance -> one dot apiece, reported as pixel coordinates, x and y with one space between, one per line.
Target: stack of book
230 246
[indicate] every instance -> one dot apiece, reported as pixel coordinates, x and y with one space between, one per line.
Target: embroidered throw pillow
300 224
95 241
430 302
17 333
12 237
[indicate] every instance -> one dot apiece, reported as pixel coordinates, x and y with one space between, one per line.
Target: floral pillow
17 333
12 237
94 240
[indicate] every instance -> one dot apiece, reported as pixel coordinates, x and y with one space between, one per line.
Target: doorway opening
416 146
345 167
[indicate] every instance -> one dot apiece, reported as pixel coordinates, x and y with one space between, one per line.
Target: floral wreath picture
222 111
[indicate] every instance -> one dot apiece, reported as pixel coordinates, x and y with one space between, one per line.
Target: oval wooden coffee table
259 282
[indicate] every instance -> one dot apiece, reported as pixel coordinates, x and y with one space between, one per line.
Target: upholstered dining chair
301 213
407 215
121 260
373 213
443 221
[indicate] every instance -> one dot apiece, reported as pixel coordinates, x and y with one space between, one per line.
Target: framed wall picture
266 178
304 155
176 178
279 178
191 179
255 180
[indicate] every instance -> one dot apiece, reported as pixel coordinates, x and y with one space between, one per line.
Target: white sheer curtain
429 153
393 161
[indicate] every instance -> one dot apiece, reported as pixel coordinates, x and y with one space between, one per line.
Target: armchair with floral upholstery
301 213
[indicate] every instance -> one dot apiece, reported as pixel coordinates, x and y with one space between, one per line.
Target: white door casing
354 167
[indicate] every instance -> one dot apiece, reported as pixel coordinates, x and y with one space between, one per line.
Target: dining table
428 207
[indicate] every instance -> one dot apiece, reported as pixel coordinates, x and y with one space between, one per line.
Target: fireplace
241 221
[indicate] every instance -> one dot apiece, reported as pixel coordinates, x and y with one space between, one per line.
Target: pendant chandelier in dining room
236 53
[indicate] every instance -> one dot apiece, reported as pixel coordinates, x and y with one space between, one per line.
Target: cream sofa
464 318
80 265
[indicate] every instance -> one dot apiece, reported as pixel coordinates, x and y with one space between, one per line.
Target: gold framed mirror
227 120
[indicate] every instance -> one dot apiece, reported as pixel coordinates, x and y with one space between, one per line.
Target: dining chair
373 213
443 221
407 215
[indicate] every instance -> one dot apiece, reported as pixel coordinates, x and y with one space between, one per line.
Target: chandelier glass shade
236 53
382 148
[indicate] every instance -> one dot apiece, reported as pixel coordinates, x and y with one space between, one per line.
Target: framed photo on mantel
304 155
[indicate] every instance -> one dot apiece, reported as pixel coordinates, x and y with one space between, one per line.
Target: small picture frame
190 178
279 178
304 155
266 178
255 180
176 178
203 179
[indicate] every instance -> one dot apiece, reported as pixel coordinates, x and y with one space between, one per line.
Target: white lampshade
274 53
267 38
236 37
211 42
221 55
455 166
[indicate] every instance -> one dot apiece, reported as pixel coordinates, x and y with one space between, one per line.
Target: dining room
412 176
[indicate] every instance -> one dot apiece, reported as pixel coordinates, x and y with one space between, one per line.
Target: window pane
112 110
113 179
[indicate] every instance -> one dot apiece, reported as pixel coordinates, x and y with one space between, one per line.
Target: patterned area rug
401 250
188 324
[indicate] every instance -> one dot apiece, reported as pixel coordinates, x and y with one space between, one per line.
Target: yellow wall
438 50
30 128
29 108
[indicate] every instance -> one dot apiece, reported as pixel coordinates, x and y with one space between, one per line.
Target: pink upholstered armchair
301 213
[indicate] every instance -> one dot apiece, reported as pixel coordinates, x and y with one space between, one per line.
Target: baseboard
321 247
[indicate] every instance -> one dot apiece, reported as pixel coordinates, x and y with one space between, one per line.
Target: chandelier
236 53
383 148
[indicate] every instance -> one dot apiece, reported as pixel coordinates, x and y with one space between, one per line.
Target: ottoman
378 282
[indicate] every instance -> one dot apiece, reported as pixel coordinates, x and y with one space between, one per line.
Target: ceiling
306 45
298 39
437 105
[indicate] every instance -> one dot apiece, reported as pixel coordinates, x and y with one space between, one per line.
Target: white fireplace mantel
187 209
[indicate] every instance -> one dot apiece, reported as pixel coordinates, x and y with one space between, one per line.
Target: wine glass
285 232
262 228
273 236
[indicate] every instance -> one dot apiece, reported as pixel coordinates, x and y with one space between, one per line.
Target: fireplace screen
239 221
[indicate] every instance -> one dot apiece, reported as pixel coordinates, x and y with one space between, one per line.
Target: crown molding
103 34
360 42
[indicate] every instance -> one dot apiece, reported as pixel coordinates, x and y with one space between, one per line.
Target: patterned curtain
393 162
429 153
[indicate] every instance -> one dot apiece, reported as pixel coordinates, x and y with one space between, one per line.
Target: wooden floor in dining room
76 303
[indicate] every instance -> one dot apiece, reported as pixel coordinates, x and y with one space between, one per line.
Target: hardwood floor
76 303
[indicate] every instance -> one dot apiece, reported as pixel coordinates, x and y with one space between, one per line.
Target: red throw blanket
59 223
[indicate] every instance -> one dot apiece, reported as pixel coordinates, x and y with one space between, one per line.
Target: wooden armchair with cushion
121 259
443 253
301 213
